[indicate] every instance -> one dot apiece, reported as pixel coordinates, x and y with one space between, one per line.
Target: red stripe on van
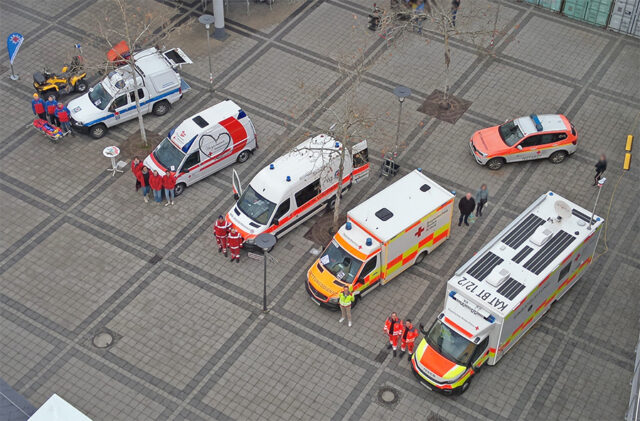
235 128
457 327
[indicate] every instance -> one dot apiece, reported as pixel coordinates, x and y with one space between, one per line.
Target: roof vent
425 187
201 122
384 214
497 276
271 166
348 226
541 236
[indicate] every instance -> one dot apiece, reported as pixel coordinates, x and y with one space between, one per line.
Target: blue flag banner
13 45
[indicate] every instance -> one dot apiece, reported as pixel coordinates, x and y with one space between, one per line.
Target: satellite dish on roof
562 209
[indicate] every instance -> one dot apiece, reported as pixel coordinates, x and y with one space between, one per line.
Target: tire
179 189
161 108
81 86
495 163
243 156
557 157
97 131
465 386
356 300
421 256
331 204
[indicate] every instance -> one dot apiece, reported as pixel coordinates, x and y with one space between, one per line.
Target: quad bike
72 79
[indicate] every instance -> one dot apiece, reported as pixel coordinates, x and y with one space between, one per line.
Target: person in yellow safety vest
346 298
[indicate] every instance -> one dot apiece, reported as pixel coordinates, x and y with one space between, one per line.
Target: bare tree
140 27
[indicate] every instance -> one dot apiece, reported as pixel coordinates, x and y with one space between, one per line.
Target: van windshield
450 344
255 206
168 155
510 133
99 96
339 263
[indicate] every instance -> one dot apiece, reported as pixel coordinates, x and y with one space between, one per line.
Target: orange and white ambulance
504 289
382 237
295 187
204 144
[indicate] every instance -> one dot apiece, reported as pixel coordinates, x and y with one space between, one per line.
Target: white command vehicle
504 289
383 236
295 187
112 101
204 144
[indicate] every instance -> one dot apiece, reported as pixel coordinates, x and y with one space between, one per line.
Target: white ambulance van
204 144
112 101
504 289
295 187
383 236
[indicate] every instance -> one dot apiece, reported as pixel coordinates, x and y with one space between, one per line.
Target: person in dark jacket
482 197
466 206
601 167
37 105
50 107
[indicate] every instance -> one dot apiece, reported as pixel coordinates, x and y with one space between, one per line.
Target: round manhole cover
387 395
102 340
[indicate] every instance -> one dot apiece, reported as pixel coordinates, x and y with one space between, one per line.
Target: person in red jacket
64 117
235 242
169 184
143 176
50 107
155 181
221 231
37 105
136 168
408 338
393 328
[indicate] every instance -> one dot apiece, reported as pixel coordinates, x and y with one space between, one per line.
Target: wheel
495 163
331 204
243 156
465 386
97 131
557 157
421 257
81 86
161 108
356 300
180 189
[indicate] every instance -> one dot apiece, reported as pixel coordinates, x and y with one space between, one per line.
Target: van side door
216 146
360 157
190 168
528 148
306 198
369 275
280 219
119 107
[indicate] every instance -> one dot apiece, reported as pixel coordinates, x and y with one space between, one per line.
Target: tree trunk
143 133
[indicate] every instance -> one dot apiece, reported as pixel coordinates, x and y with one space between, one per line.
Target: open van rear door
176 57
360 156
237 187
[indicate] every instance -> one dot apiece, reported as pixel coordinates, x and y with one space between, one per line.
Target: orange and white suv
534 137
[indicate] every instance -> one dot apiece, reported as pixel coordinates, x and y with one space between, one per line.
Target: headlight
250 241
77 123
333 300
484 155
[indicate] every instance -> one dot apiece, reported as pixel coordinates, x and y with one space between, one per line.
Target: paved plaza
81 253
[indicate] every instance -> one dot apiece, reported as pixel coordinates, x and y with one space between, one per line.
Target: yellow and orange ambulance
382 237
504 289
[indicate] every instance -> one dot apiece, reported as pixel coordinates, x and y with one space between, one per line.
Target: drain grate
388 396
155 259
102 340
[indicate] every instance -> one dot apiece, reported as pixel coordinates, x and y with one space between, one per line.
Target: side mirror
519 147
236 196
184 170
276 222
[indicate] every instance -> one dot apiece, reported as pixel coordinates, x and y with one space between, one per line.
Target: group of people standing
405 333
467 204
152 181
227 237
53 111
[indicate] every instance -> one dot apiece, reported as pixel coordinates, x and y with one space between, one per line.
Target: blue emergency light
348 226
452 294
369 242
241 114
288 178
337 144
419 169
271 166
537 122
491 319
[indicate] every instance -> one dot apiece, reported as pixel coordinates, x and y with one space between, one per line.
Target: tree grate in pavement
434 106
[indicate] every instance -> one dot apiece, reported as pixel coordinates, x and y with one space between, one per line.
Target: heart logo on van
212 146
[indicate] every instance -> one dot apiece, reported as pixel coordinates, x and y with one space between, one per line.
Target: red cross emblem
419 232
183 133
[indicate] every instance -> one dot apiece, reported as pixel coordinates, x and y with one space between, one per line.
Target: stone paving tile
20 349
475 22
572 57
343 43
297 384
506 93
294 83
18 219
619 75
67 293
419 62
19 113
96 394
13 22
620 292
152 337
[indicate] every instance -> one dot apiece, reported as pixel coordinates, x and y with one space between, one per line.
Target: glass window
548 138
510 133
564 272
368 268
133 95
99 96
192 160
480 350
340 264
168 155
120 101
361 158
255 206
282 210
308 193
450 344
531 141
